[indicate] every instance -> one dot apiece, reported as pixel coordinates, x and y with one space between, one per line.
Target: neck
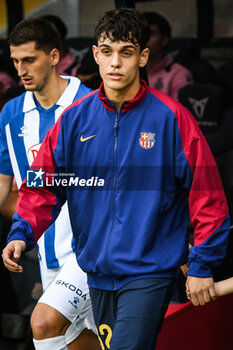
117 97
52 91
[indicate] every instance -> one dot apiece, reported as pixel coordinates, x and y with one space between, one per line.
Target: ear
54 57
144 55
95 51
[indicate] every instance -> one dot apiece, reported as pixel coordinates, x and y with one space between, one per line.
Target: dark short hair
41 31
154 18
124 24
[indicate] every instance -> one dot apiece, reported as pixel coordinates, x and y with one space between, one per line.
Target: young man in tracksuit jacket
131 163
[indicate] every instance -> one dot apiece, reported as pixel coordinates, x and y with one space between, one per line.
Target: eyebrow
130 46
26 57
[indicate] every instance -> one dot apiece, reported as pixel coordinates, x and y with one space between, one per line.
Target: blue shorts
131 317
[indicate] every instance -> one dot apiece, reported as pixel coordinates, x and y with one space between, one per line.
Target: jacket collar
126 105
65 100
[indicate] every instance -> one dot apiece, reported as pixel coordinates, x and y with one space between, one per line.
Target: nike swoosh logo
83 139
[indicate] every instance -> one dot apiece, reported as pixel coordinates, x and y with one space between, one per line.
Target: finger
10 264
206 296
14 269
213 293
201 298
184 269
188 294
17 253
194 300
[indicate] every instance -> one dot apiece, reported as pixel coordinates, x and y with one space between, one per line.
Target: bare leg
46 322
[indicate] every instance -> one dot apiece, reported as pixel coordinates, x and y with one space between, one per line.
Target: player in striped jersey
63 313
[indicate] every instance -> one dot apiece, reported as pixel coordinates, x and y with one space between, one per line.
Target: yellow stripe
28 6
2 14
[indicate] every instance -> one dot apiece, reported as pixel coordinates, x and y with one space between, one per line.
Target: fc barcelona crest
147 140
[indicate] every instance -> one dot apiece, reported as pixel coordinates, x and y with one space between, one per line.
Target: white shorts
66 290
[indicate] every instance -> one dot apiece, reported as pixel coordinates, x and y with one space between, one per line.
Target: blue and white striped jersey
23 126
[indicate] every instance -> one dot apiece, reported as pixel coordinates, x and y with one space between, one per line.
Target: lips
115 76
26 80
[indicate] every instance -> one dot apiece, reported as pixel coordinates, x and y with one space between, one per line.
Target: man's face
33 66
157 41
119 63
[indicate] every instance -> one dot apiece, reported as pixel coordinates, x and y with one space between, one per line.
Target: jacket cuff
19 236
199 269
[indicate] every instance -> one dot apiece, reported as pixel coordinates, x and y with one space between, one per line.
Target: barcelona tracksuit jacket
132 180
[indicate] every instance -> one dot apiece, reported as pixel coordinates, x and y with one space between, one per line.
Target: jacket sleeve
209 214
38 207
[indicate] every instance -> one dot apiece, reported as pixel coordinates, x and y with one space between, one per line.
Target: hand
12 253
184 268
200 290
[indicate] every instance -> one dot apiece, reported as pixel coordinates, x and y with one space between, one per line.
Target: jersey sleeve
5 163
38 207
197 171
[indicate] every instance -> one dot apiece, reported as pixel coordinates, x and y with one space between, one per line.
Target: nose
116 61
21 69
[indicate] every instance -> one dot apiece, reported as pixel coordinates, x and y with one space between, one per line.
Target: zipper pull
116 123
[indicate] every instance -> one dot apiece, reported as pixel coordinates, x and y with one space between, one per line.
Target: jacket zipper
116 126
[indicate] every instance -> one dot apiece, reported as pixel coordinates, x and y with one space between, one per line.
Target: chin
117 85
30 88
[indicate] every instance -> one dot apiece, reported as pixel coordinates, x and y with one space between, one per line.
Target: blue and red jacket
157 171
